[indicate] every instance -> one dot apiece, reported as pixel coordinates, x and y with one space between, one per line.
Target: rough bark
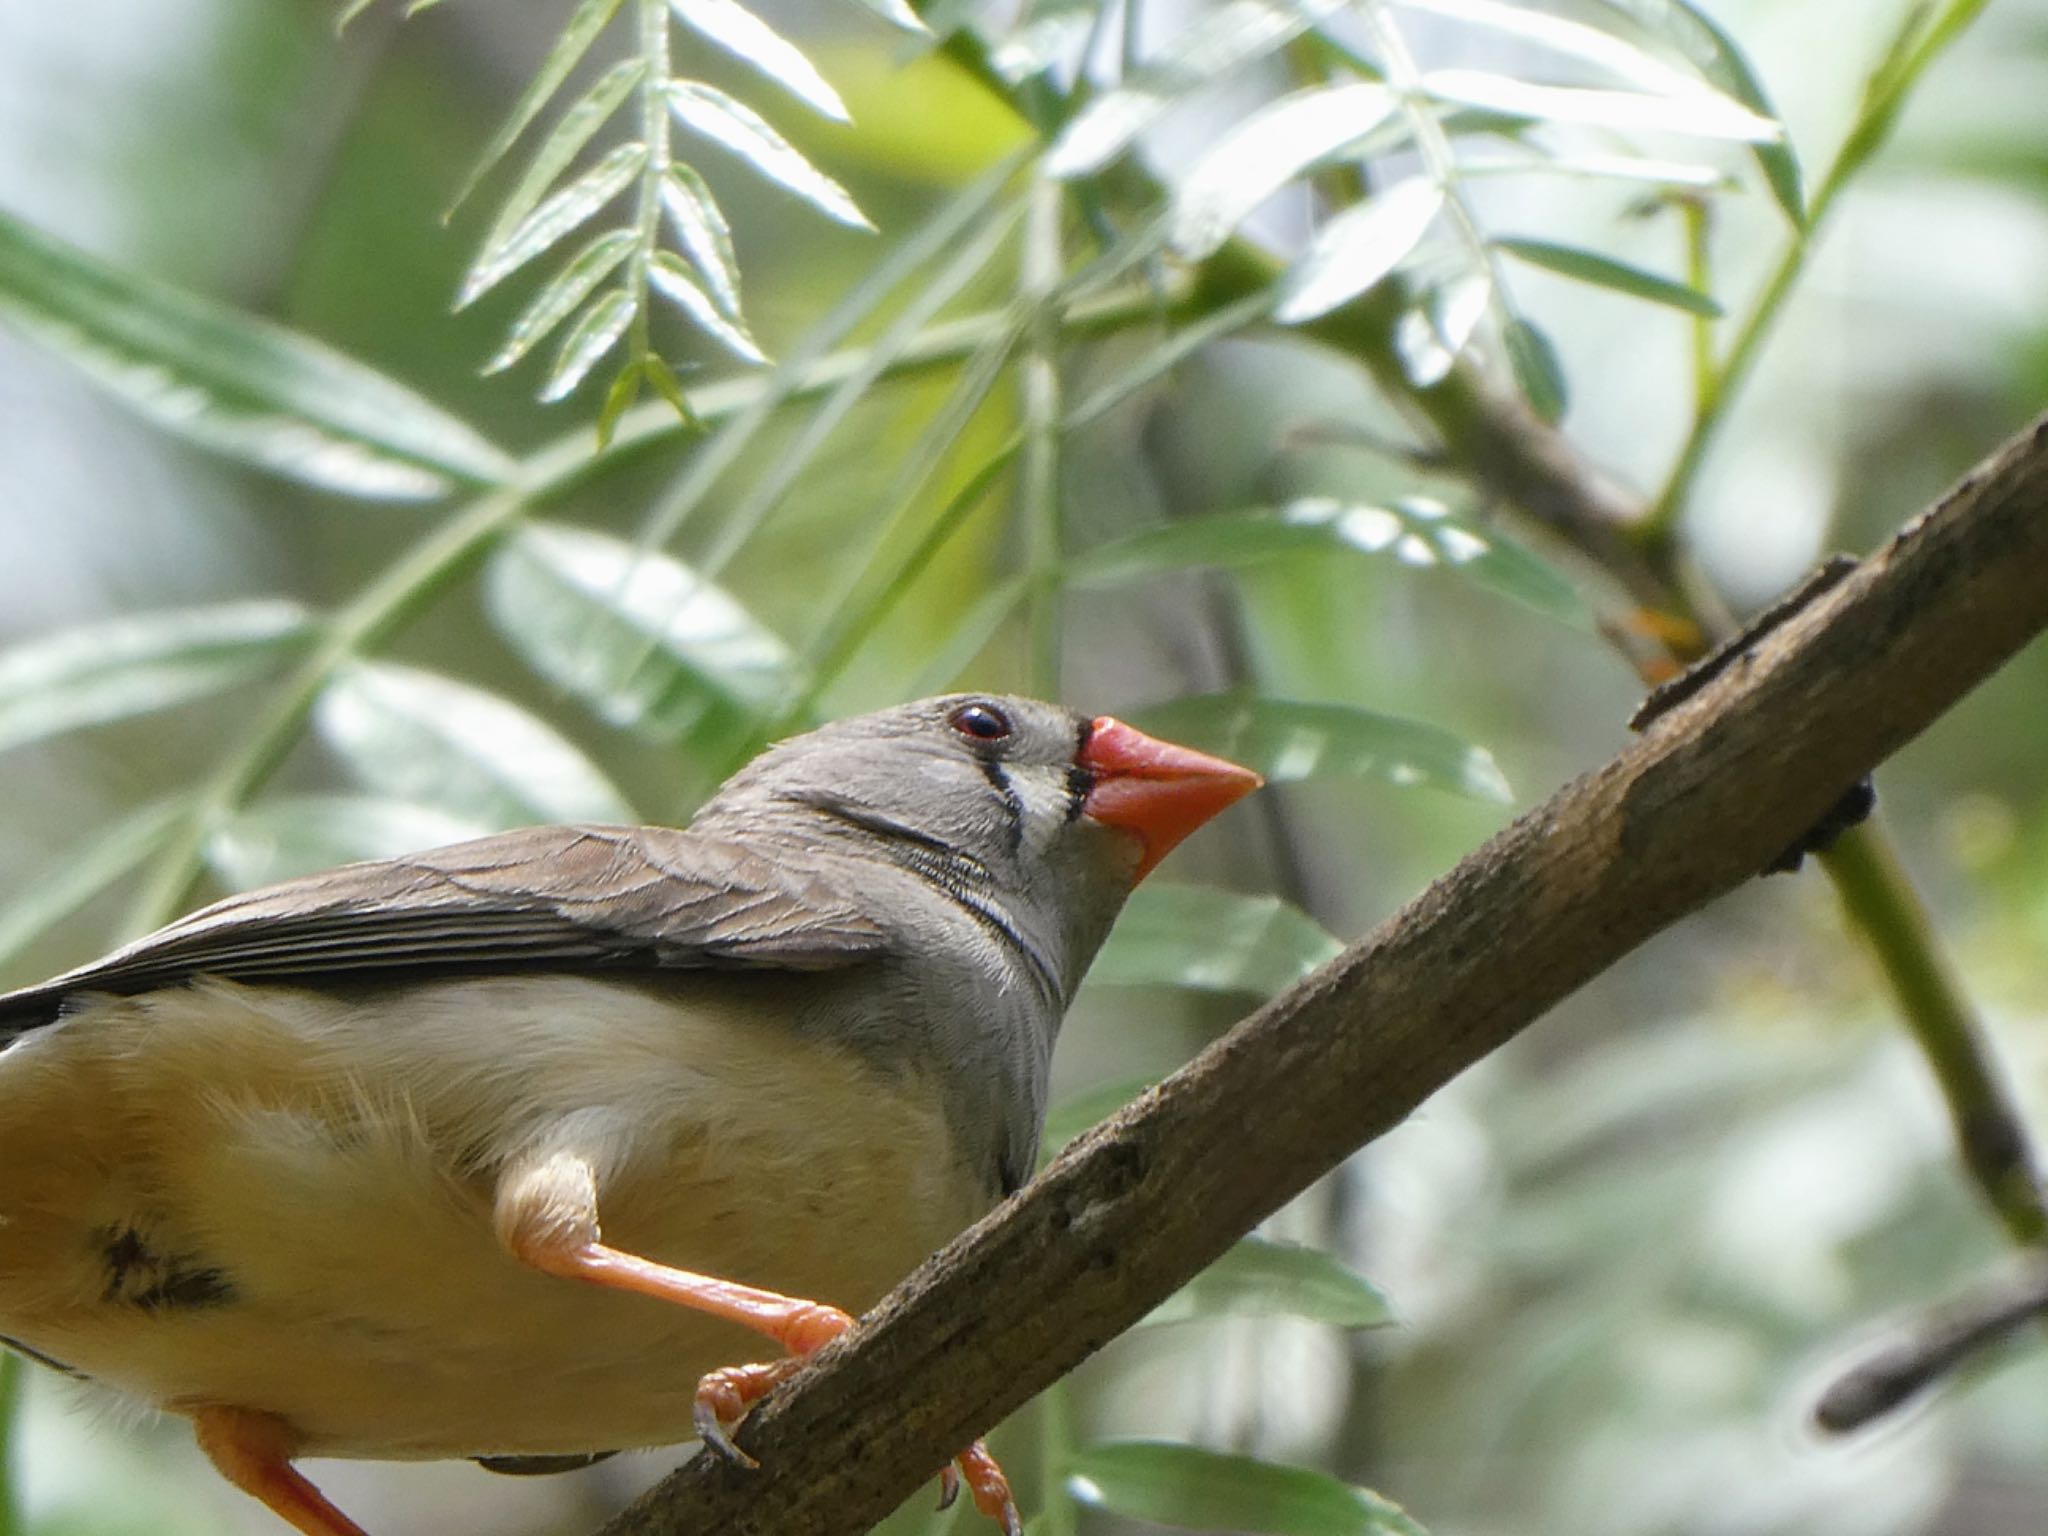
1715 789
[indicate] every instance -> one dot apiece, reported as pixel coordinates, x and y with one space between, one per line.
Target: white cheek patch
1042 795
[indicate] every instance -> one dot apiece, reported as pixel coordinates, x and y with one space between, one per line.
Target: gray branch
1716 789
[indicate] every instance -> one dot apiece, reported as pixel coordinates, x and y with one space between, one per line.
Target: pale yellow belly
262 1198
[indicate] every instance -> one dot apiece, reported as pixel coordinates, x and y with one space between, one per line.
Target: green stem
1056 1512
1039 488
404 587
1887 911
11 1523
654 133
1906 60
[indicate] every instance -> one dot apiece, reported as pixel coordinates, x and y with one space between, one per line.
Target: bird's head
1054 814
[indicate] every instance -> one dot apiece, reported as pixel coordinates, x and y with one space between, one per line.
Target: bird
516 1150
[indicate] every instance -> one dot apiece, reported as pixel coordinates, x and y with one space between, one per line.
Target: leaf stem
1905 61
404 587
1990 1132
654 134
10 1422
1039 475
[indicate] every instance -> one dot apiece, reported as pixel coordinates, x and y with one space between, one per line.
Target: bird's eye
984 722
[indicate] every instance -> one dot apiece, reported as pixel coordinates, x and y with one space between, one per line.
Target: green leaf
1263 153
639 637
1710 50
1211 941
1260 1278
596 331
706 110
561 213
1287 740
1536 368
82 871
563 144
1606 272
1084 1111
674 281
564 291
1417 531
1356 249
588 19
115 668
1226 36
619 398
1198 1490
706 238
1702 114
238 385
295 835
432 741
748 38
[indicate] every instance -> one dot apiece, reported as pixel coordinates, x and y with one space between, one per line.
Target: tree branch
1709 794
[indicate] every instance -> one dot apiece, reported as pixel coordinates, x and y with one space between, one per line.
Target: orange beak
1155 789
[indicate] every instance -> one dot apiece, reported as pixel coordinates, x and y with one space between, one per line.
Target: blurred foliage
1130 363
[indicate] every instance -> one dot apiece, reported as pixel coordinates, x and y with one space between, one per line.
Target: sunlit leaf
432 741
1260 1278
1573 39
1606 272
1198 1490
561 213
1357 248
1714 53
619 397
701 229
1210 940
596 331
1288 740
1056 31
295 835
83 870
639 637
115 668
1537 369
747 37
1691 176
709 111
241 386
564 291
1224 37
563 144
896 12
670 278
1700 114
1414 530
1430 336
1263 153
588 19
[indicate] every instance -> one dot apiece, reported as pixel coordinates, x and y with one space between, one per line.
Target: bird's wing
571 898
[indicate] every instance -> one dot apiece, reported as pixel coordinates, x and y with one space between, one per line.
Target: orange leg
801 1327
254 1452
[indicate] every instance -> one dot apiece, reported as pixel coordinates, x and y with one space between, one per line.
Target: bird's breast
282 1199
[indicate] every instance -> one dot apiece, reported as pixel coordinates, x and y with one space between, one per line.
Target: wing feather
649 898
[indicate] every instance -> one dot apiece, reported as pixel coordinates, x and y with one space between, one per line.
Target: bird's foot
254 1451
724 1396
986 1485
